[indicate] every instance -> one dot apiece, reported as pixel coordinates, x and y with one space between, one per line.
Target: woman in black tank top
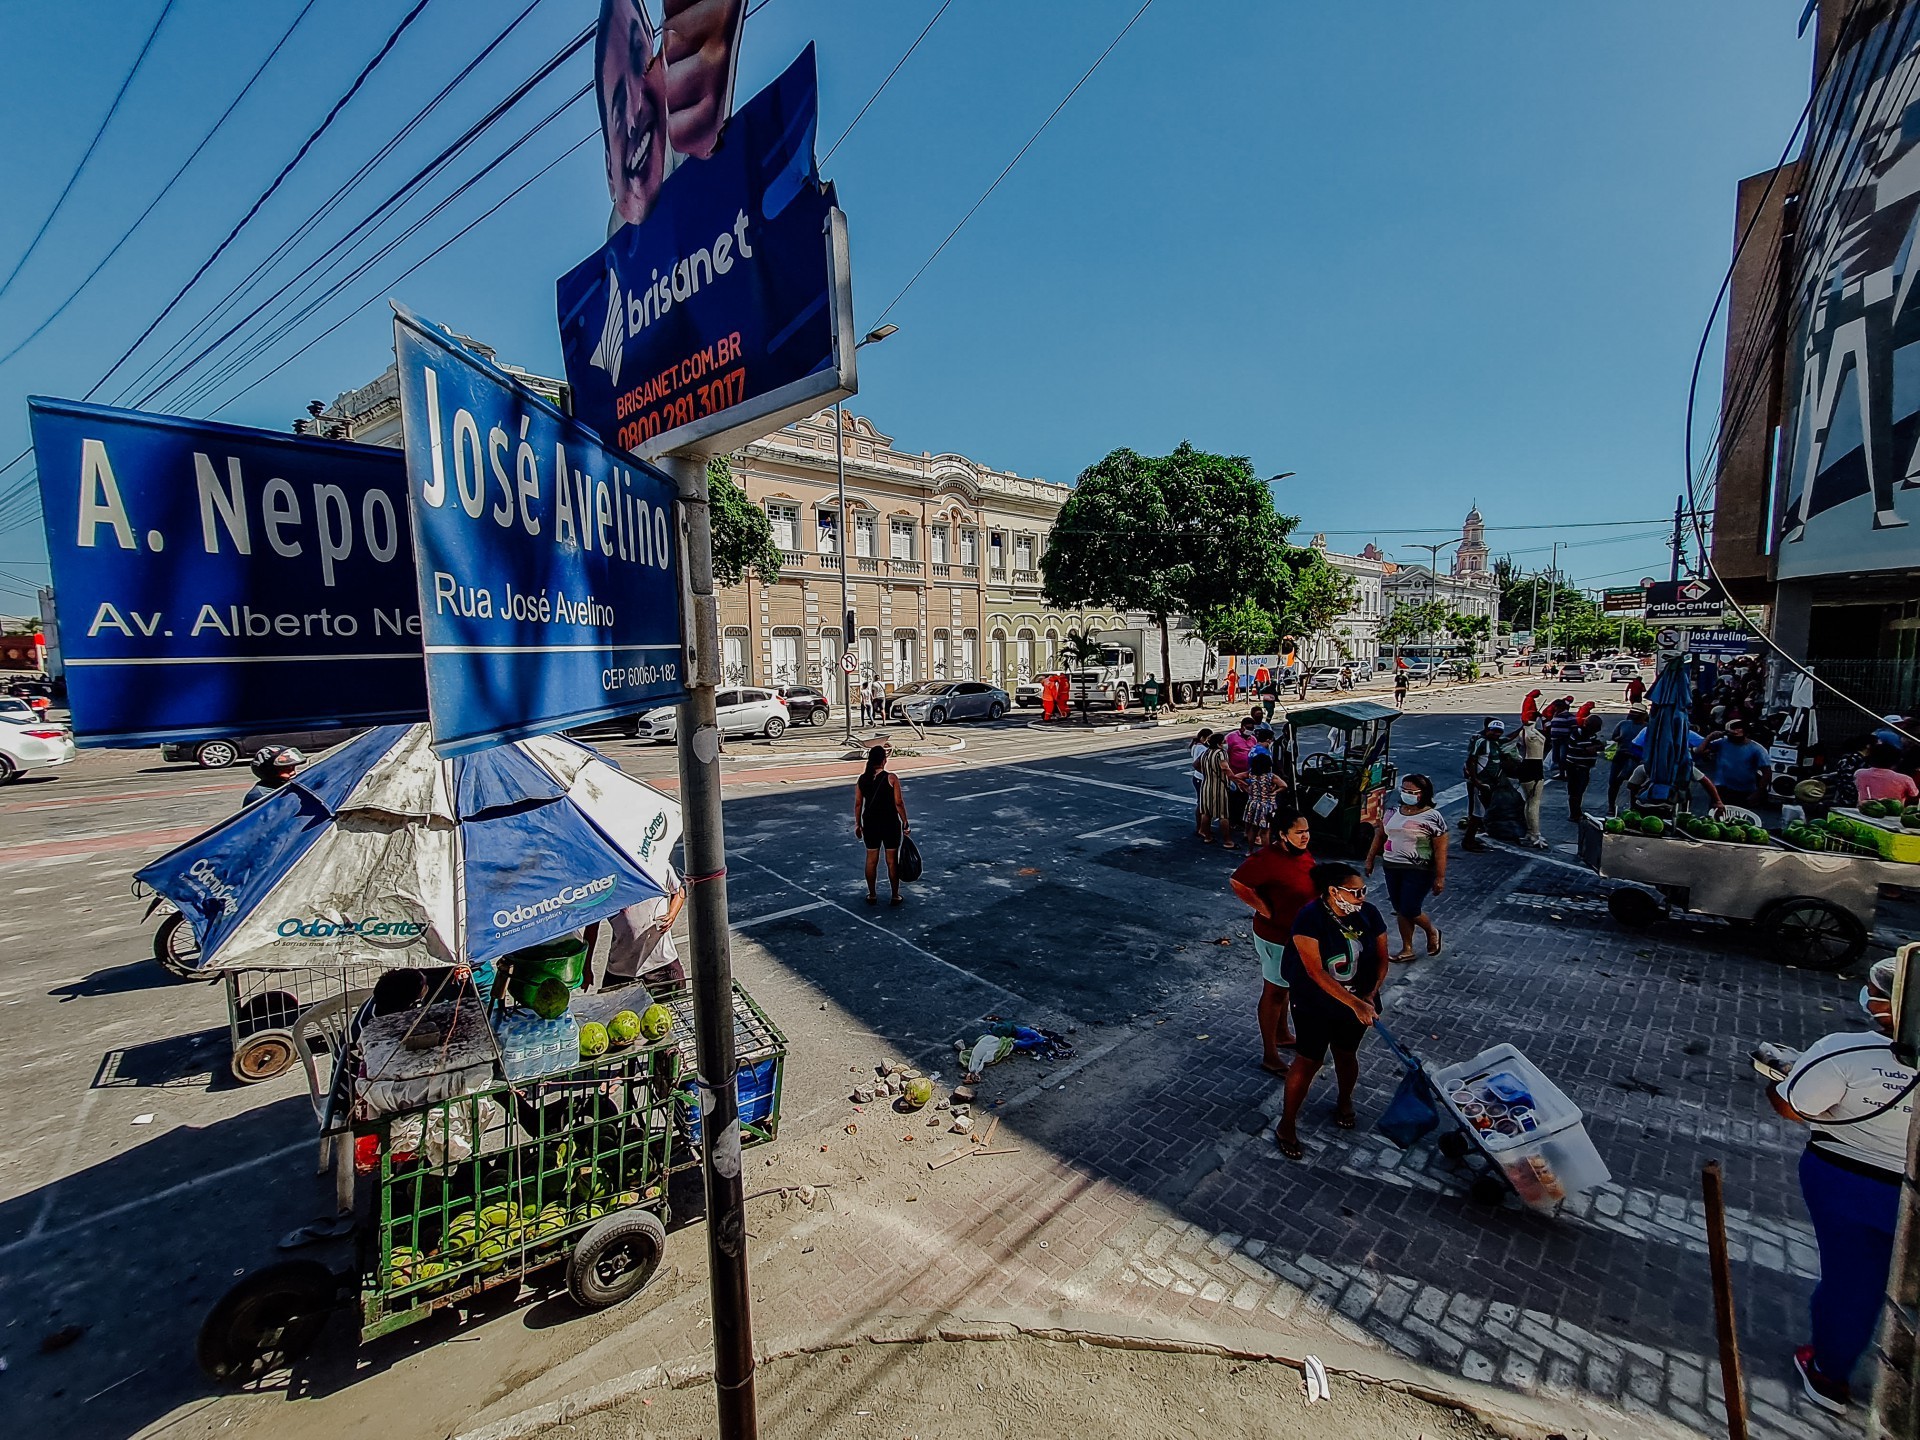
880 818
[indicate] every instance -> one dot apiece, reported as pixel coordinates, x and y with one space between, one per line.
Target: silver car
935 702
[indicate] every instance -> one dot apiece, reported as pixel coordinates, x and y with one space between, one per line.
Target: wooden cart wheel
269 1010
263 1055
1815 933
1635 909
1453 1145
266 1322
175 947
615 1259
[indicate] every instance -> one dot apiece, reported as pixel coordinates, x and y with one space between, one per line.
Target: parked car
1624 670
741 711
1327 677
805 705
31 745
220 753
935 702
17 710
1580 670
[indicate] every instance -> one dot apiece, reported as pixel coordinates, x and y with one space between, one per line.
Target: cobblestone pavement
1148 1188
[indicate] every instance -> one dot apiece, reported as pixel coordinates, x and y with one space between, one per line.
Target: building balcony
1026 577
998 575
905 567
942 570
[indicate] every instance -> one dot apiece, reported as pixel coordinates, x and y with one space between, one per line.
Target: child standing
1263 797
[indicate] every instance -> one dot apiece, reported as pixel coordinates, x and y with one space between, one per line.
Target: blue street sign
214 580
548 565
728 310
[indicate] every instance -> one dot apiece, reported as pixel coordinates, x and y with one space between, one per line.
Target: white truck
1128 657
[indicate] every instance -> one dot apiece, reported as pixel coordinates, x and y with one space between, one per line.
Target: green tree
1317 595
1187 533
742 537
1081 652
1467 628
1242 628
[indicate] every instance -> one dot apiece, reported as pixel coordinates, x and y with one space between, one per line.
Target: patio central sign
548 565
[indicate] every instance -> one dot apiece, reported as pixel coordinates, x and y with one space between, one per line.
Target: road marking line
983 794
1123 825
778 914
182 1187
1452 796
898 939
1167 795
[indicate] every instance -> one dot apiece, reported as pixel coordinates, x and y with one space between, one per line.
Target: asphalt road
137 1178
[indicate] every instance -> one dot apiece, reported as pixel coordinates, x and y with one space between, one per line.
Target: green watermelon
1653 825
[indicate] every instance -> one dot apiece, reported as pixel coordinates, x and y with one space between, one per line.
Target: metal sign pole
705 853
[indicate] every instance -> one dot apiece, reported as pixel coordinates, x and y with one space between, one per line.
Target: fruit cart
1812 891
483 1188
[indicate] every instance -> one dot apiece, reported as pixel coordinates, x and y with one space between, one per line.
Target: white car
741 712
33 745
1578 670
1325 678
18 711
1624 670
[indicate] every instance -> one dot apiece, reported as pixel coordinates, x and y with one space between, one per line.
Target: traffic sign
1671 641
1646 582
848 663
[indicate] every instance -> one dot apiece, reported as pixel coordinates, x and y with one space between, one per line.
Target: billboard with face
1851 453
664 91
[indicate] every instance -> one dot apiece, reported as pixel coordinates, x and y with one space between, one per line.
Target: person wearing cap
1529 751
1856 1098
1483 759
1621 755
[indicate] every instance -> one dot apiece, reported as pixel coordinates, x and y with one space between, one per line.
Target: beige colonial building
945 552
945 556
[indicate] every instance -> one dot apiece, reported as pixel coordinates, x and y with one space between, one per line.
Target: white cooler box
1544 1164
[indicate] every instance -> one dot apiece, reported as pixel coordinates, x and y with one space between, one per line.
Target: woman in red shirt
1276 883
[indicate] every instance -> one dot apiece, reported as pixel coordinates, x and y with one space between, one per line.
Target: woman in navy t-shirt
1334 966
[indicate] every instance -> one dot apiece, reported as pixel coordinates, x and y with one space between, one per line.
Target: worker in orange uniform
1233 684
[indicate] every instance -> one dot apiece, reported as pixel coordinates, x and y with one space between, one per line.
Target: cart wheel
615 1259
1635 909
176 949
1488 1189
1453 1145
263 1055
1815 933
266 1322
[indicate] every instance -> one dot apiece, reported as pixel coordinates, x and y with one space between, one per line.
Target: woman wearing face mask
1277 884
1413 842
1334 966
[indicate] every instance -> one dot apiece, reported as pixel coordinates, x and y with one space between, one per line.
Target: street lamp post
845 527
1433 574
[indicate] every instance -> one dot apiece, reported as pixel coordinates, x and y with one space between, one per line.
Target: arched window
733 656
964 664
906 656
786 655
1023 654
940 657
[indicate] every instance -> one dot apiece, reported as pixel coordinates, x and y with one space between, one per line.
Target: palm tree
1081 652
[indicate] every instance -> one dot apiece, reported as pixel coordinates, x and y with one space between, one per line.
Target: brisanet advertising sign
548 565
728 310
216 581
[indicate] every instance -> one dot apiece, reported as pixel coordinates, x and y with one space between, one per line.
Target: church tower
1471 557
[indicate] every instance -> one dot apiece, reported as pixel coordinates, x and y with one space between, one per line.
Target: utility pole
704 843
1553 595
1673 571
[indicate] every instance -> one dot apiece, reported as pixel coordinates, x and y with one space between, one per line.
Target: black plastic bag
909 859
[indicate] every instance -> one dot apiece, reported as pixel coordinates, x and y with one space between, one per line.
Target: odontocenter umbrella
381 853
1669 761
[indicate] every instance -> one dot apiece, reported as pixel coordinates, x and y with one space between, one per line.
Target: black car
805 705
220 753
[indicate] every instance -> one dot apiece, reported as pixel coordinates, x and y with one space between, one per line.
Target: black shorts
882 836
1318 1028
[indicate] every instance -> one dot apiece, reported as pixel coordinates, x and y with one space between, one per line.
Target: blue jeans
1853 1218
1407 889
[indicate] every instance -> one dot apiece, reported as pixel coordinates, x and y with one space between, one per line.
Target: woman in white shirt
1413 842
1857 1100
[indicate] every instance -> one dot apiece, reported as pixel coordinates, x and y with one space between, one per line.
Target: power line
221 307
172 179
1031 139
889 80
267 194
591 134
92 145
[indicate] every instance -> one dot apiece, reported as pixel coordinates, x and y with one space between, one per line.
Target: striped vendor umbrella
1669 762
382 853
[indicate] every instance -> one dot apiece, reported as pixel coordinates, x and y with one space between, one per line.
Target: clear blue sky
1422 255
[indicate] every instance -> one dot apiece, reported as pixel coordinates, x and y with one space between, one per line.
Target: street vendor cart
484 1117
1342 786
1812 907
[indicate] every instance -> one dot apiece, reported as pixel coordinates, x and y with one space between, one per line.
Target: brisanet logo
613 334
566 897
